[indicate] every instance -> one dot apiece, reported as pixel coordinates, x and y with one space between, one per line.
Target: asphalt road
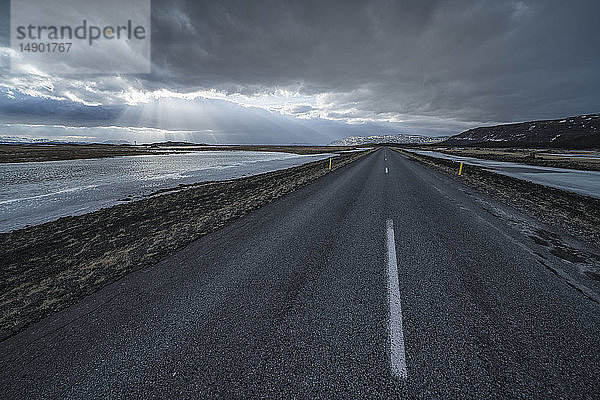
295 300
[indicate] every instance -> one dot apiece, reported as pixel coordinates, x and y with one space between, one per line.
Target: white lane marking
397 352
386 170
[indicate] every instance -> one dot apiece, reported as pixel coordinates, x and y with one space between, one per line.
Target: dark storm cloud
466 60
297 71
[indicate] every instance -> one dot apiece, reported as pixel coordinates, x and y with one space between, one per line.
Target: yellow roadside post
330 163
460 169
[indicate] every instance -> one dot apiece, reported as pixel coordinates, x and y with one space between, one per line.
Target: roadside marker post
460 169
330 163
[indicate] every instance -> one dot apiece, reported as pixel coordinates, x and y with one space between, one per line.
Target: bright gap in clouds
278 116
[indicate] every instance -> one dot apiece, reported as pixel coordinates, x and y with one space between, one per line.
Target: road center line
397 352
386 170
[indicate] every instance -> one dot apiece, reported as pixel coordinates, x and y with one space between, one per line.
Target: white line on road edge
386 170
397 352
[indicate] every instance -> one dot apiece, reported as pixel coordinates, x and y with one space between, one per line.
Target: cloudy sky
314 71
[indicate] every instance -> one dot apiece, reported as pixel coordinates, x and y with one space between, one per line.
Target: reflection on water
583 182
37 192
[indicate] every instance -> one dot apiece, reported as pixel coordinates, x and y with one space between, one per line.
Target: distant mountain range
171 143
573 132
399 138
580 132
24 140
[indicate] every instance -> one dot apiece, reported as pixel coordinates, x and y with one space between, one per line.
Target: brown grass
48 267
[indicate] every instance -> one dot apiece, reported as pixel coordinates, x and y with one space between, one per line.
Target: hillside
574 132
399 138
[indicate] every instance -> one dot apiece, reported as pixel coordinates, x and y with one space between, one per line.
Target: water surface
36 192
583 182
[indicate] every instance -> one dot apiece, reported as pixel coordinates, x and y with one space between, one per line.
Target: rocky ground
578 215
48 267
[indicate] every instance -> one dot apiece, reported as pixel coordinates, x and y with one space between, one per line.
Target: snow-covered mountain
20 140
577 132
25 140
398 138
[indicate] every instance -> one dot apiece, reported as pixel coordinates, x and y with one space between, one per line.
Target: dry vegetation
36 152
48 267
49 152
546 158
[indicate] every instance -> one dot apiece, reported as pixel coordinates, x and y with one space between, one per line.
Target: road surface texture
299 299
